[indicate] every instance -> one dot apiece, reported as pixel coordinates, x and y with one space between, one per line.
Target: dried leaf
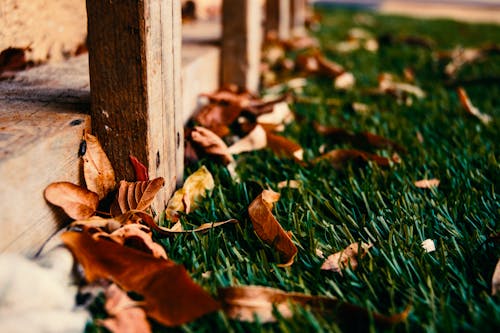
211 144
136 195
126 315
289 183
284 147
255 140
495 280
340 157
136 236
97 169
471 109
268 228
76 201
346 258
387 84
427 183
97 222
194 189
12 59
429 245
281 114
248 303
344 81
329 68
170 296
141 172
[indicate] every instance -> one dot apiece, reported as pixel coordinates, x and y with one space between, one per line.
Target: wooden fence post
134 55
298 17
241 43
278 18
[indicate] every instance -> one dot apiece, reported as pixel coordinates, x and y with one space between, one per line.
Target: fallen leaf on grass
340 157
211 144
471 109
429 245
141 172
328 67
97 169
346 258
387 84
194 189
251 303
268 228
126 315
255 140
427 183
281 114
344 81
289 183
284 147
177 229
135 196
76 201
495 280
170 296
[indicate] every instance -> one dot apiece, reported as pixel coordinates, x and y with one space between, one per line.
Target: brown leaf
211 144
280 114
136 236
471 109
126 315
194 189
495 280
255 140
141 172
346 258
76 201
170 296
340 157
289 183
177 229
246 303
284 147
427 183
268 228
136 195
328 67
12 59
97 222
97 169
362 140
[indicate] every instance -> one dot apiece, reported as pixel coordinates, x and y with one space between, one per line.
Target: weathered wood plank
298 13
135 88
42 122
241 43
278 18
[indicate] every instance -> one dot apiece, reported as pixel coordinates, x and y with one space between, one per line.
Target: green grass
449 289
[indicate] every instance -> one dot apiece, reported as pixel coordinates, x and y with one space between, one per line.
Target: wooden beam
298 17
134 61
241 43
278 18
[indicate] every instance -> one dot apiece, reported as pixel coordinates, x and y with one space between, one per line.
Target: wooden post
278 18
134 60
298 17
241 43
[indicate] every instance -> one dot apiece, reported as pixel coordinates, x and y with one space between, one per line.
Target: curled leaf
255 140
427 183
495 280
284 147
170 296
211 144
136 196
345 258
97 169
250 303
281 114
76 201
141 172
340 157
268 228
125 314
471 109
194 189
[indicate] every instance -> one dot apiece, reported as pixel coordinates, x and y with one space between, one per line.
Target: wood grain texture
298 13
241 43
135 84
278 18
41 126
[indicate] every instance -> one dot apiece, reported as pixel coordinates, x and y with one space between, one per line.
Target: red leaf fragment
141 172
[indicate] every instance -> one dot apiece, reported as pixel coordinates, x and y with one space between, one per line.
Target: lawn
449 289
